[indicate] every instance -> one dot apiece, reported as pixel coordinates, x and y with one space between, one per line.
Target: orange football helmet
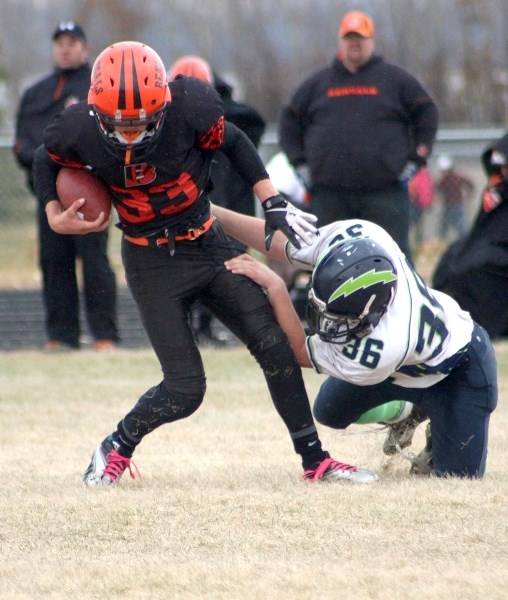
191 66
128 95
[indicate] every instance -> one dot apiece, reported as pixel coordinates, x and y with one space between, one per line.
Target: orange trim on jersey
192 234
353 90
212 139
64 162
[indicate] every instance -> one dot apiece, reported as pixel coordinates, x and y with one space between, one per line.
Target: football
72 184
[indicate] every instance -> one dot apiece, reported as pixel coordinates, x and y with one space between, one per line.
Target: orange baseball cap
356 22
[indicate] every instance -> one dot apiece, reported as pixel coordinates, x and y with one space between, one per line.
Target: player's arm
251 232
278 297
280 214
60 220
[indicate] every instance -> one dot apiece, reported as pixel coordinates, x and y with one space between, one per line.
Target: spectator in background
357 130
228 188
474 269
454 189
67 84
421 194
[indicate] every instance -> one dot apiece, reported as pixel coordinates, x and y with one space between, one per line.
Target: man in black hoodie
67 84
357 131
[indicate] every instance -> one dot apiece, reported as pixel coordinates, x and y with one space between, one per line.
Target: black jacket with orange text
357 130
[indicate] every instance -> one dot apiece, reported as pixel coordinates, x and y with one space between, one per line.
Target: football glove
294 223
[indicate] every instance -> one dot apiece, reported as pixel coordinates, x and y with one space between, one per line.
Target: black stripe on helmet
122 101
135 86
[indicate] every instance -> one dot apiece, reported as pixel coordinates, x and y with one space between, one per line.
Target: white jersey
418 340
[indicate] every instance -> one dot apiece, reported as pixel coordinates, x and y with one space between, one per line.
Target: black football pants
164 288
458 406
57 258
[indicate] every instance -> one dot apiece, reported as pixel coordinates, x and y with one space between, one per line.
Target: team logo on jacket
139 174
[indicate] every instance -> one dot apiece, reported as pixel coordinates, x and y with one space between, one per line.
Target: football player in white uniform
381 335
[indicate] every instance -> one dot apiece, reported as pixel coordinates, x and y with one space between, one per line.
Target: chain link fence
465 147
21 307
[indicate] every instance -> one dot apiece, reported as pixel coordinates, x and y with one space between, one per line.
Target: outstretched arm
251 231
278 297
280 215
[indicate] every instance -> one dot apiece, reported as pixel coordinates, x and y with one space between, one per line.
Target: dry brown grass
221 511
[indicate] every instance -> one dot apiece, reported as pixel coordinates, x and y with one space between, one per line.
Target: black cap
69 28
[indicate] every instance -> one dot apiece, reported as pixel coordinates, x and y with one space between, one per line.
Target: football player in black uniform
152 144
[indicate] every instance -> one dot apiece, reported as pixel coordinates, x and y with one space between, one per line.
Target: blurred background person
454 189
421 193
229 189
67 84
474 269
357 131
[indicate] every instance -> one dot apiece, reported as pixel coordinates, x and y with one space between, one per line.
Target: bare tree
457 48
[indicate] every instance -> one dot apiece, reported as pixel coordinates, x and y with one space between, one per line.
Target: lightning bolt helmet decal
364 281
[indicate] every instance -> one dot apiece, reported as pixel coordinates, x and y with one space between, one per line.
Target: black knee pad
329 416
157 406
276 358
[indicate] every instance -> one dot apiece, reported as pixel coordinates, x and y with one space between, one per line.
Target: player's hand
254 269
70 222
294 223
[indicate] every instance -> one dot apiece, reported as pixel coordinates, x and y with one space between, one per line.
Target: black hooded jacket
39 104
357 130
474 269
229 189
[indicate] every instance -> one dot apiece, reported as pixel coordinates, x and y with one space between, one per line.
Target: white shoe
107 465
332 470
400 435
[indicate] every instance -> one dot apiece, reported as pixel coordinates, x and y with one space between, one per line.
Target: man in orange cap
357 130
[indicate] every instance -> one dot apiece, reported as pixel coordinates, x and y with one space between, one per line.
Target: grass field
221 511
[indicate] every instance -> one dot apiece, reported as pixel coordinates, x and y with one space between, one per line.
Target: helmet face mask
128 96
140 133
332 328
351 288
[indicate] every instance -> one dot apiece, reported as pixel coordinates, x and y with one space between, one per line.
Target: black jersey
166 187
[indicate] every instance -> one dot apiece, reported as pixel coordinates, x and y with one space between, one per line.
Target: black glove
294 223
